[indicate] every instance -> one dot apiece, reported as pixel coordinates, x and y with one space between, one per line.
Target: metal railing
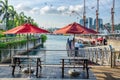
101 55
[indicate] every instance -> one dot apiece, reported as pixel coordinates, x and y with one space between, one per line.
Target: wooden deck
106 73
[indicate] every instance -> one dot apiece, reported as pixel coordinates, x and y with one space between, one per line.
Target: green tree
4 11
22 18
12 14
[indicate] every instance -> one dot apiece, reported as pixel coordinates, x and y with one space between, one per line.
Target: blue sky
57 13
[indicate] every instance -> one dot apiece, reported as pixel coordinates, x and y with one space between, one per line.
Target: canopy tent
26 28
75 28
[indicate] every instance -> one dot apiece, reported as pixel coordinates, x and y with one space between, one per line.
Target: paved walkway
49 72
101 73
106 73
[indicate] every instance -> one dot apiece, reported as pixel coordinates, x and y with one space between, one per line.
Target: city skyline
91 23
57 13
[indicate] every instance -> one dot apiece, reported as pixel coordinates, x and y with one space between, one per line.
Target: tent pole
29 65
27 42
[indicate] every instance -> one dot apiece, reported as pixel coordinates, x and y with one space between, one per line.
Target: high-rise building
81 22
88 24
100 24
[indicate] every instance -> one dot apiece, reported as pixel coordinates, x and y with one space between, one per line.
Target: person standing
104 41
76 48
69 43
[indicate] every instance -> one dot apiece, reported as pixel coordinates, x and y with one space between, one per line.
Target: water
54 42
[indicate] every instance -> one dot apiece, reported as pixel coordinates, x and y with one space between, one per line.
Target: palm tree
29 20
16 19
12 14
22 18
4 11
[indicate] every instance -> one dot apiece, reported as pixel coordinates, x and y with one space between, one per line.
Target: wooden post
62 68
40 63
96 56
111 55
114 59
37 68
13 66
86 62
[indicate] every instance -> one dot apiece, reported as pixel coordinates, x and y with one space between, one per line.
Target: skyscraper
81 22
88 24
100 24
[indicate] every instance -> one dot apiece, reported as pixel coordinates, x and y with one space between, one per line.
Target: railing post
96 54
88 54
102 56
114 59
92 55
62 68
111 55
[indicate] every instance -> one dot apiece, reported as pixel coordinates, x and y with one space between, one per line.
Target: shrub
43 38
2 35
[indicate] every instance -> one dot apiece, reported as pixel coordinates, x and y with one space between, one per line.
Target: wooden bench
17 61
84 65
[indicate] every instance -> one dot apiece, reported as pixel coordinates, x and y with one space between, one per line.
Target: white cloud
64 10
49 10
22 7
77 8
61 9
44 9
35 10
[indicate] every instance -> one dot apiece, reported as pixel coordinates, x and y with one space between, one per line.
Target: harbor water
54 49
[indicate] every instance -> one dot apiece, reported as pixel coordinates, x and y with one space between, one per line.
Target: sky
58 13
